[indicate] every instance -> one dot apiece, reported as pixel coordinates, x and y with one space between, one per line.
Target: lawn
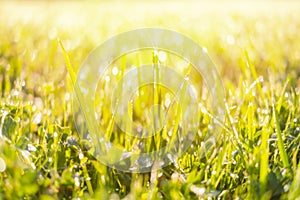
45 149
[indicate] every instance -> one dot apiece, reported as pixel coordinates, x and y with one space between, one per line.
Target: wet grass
257 54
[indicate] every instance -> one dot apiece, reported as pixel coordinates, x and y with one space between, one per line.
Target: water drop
2 165
81 156
107 78
162 56
30 147
77 182
115 71
230 39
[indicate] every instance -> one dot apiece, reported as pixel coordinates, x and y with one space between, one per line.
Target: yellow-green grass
255 47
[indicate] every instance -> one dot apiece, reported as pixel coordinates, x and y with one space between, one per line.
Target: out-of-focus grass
256 49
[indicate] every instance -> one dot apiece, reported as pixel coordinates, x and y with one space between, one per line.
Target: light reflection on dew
170 133
31 148
108 145
67 96
115 71
162 56
77 182
96 116
167 100
37 118
286 95
55 134
193 91
81 156
230 39
107 78
2 165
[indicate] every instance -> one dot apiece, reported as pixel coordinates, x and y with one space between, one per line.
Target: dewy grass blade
156 79
255 77
250 127
294 192
179 94
264 159
84 105
281 98
219 174
282 151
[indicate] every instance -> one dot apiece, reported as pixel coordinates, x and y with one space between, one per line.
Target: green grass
257 54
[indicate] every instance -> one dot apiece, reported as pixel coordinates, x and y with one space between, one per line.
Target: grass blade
282 152
264 160
84 105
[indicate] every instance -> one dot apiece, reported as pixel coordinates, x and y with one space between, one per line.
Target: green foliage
257 154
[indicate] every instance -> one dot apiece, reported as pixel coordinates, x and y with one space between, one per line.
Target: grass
257 54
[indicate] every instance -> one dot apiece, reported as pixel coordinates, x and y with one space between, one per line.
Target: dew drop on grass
230 39
286 95
162 56
103 178
15 93
115 71
107 78
67 96
31 148
286 188
199 191
33 108
2 165
77 182
81 156
37 118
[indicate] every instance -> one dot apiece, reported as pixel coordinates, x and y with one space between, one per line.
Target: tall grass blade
264 160
255 77
282 151
85 106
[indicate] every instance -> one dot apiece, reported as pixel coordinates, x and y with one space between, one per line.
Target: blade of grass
282 151
82 102
85 106
156 89
219 170
179 94
264 160
294 192
255 77
279 102
250 127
